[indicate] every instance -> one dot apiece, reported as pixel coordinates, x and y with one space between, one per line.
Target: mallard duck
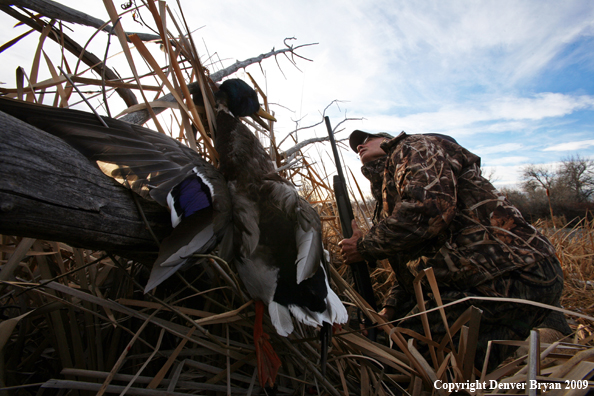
273 235
277 239
153 165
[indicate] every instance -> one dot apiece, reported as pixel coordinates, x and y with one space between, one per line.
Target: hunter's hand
388 314
349 246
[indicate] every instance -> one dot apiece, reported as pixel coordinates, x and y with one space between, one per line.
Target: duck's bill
264 114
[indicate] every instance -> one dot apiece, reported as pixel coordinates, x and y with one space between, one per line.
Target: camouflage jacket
434 209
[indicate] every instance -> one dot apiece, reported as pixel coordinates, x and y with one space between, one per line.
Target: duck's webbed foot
268 360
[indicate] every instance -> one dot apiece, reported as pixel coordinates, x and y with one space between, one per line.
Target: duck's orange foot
268 360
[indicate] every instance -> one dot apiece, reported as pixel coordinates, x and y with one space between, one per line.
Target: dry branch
51 191
142 116
54 10
69 44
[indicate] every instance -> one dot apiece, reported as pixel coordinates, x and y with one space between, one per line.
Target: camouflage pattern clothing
541 281
434 209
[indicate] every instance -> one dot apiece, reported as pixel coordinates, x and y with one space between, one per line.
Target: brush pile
76 320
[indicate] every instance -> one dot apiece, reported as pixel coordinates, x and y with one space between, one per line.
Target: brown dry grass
77 320
575 249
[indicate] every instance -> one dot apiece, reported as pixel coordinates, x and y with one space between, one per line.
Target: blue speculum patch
193 196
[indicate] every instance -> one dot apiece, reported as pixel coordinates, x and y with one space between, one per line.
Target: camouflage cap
357 137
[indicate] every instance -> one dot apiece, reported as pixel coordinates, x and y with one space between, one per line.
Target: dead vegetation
76 320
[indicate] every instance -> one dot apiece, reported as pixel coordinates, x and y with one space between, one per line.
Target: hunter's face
370 149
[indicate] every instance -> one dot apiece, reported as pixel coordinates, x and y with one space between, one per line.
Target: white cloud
506 161
437 49
571 146
490 115
503 176
499 148
541 106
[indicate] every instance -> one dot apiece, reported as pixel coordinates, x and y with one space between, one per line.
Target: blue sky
511 81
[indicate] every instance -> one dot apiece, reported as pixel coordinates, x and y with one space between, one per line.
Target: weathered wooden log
50 191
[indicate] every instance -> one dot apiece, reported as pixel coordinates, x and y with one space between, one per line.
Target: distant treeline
565 191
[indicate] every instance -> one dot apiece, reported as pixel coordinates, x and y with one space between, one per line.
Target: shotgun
345 213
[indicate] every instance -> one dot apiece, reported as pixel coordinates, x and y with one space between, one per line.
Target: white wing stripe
205 181
306 263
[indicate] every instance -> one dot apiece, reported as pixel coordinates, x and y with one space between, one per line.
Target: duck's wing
309 241
137 157
308 229
201 216
154 166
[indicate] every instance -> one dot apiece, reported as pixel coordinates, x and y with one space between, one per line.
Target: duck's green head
240 99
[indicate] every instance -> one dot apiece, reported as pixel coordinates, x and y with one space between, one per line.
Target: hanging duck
277 238
153 165
274 235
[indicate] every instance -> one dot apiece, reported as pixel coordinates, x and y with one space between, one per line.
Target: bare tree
490 175
577 175
535 176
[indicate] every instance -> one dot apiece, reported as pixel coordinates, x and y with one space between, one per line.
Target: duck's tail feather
337 313
306 316
281 318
